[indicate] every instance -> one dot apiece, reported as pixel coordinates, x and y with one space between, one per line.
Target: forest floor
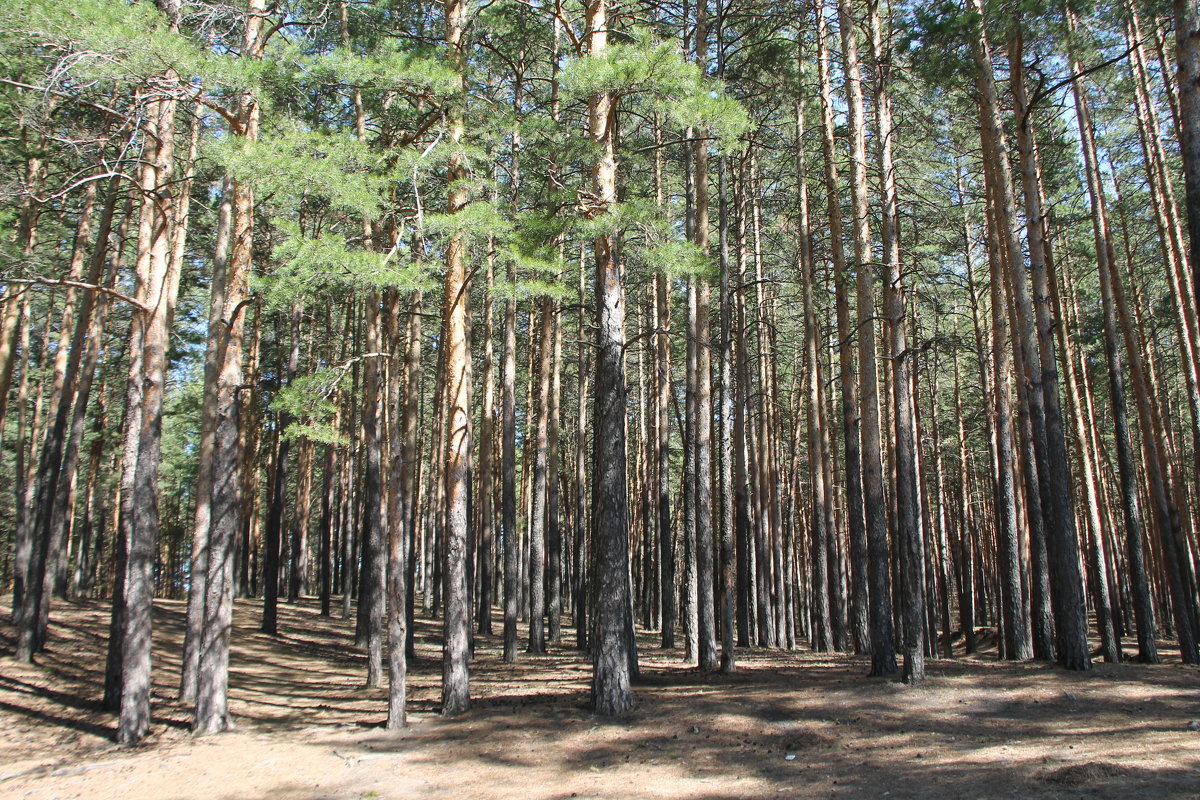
784 725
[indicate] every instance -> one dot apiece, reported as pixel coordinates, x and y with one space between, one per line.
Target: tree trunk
553 522
1018 641
1003 240
666 554
909 533
1113 302
155 270
274 533
883 659
859 579
27 225
821 634
487 444
229 482
1187 57
611 644
397 527
1067 598
537 513
48 537
410 463
202 519
583 540
455 688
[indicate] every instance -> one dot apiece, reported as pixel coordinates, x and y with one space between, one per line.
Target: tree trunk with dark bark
612 644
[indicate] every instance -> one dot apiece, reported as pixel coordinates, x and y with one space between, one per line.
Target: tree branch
91 287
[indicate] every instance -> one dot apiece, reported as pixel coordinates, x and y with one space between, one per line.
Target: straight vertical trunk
847 379
1067 598
821 634
229 481
202 519
1018 631
883 659
1003 241
487 440
666 554
581 552
612 645
510 536
155 270
274 533
553 521
410 462
537 512
909 532
707 624
455 687
397 530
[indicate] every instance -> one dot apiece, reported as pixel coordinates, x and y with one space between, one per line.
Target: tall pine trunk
455 688
612 641
883 659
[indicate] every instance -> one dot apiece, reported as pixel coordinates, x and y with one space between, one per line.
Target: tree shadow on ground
980 728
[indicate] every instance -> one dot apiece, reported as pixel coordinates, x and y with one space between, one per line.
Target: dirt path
785 725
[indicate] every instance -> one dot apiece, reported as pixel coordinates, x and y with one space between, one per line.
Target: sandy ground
785 725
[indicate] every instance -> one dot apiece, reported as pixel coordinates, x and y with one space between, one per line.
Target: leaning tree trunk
1187 56
1113 302
13 300
47 544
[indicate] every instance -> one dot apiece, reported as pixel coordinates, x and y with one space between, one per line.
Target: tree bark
229 481
455 687
883 659
155 270
1187 59
1003 240
908 501
611 642
273 554
847 379
537 514
1067 598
